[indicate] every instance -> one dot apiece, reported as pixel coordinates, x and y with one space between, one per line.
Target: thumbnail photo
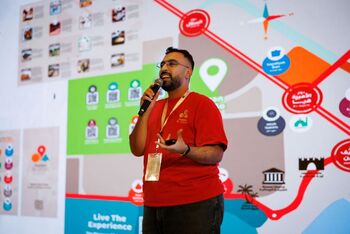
117 59
83 65
55 7
27 33
55 28
27 14
85 3
53 70
118 37
27 55
54 49
84 44
118 14
85 21
25 74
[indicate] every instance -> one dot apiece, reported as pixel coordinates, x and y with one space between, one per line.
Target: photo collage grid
74 39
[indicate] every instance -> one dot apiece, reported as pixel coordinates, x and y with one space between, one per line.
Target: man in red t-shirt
182 139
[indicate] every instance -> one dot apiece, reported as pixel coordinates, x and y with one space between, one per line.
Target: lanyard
165 109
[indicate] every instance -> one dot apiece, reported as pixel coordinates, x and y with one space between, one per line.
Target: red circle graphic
194 23
302 98
341 155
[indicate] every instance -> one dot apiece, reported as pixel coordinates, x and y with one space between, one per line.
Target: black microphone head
159 82
155 87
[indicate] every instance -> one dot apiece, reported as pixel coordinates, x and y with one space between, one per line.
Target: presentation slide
73 73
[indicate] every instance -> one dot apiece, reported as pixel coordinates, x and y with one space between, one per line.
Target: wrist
188 149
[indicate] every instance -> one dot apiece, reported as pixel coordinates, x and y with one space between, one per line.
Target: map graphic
299 85
277 70
237 83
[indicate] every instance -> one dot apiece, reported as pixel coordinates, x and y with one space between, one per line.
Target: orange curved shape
305 67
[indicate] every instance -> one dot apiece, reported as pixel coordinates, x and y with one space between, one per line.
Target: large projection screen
73 72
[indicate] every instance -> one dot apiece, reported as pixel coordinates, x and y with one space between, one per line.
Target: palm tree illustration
248 192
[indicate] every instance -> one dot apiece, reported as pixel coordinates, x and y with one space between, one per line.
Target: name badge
153 167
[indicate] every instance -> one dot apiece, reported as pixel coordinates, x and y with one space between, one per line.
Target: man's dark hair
185 53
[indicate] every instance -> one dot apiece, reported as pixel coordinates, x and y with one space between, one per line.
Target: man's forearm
137 138
210 154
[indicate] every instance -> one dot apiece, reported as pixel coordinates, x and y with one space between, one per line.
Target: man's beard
171 84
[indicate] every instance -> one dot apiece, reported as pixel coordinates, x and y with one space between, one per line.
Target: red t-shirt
183 180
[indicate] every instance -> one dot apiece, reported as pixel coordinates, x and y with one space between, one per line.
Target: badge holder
153 166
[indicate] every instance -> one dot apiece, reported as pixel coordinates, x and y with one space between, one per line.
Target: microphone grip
146 103
144 107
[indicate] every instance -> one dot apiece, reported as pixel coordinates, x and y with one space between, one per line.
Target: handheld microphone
157 84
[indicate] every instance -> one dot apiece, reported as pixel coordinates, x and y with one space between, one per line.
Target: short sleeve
209 124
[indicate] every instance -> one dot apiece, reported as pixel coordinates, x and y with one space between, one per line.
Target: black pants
204 217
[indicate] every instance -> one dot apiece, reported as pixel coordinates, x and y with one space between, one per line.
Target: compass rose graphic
266 18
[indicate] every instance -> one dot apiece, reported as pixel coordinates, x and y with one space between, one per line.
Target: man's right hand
150 96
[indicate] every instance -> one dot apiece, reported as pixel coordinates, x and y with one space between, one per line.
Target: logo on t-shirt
183 117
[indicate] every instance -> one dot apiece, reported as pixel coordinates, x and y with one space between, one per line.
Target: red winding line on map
257 67
271 214
278 214
342 62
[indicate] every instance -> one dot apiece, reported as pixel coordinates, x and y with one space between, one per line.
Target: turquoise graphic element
241 217
45 158
135 84
7 205
113 86
100 216
266 11
333 219
301 123
9 151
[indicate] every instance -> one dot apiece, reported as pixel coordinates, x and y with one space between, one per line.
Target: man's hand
179 146
150 96
207 154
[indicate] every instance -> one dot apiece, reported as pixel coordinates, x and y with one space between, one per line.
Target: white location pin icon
212 72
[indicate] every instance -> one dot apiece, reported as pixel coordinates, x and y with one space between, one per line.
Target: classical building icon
273 176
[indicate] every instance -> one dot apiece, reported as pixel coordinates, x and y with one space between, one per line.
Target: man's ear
188 73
